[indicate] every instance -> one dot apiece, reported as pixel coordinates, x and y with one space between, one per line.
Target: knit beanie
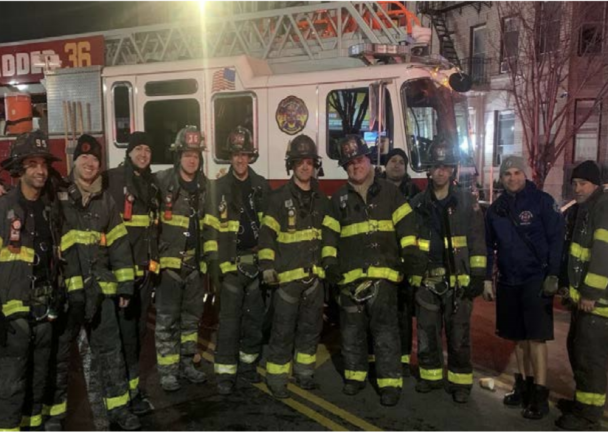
394 152
87 145
512 162
136 139
589 171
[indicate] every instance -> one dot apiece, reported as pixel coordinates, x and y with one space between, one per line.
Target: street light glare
201 6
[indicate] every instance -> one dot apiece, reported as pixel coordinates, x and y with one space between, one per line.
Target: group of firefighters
90 250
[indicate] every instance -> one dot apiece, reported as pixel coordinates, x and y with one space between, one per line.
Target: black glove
475 287
333 275
5 329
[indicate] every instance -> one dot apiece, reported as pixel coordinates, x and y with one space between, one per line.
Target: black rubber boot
390 396
352 387
426 386
125 419
565 405
574 423
515 397
528 387
539 403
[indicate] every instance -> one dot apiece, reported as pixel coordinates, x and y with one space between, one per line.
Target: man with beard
290 258
136 196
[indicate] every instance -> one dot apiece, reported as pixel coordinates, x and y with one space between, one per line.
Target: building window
348 113
510 44
549 25
229 111
586 140
122 100
591 30
504 134
163 119
171 87
478 53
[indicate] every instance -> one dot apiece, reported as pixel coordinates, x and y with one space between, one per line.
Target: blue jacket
539 220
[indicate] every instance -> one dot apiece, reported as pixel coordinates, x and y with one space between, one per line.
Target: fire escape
437 12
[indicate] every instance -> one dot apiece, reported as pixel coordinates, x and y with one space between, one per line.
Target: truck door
119 116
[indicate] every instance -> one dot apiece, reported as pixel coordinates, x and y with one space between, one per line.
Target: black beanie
589 171
138 138
87 145
394 152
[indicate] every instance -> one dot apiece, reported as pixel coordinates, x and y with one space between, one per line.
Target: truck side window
122 97
163 119
229 111
348 113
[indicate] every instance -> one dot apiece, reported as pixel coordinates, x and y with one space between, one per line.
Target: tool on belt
248 265
363 291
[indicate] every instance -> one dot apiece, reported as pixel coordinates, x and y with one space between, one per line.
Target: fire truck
351 67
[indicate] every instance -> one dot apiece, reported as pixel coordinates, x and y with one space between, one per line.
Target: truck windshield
434 114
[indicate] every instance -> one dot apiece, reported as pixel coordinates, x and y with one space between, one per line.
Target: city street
326 408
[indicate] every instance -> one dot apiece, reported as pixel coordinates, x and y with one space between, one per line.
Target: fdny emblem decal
349 149
526 217
292 115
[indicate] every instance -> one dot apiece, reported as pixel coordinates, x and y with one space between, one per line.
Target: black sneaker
352 387
390 396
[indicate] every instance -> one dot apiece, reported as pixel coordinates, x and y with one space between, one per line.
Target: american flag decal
223 80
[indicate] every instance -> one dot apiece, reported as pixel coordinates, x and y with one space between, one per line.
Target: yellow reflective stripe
224 369
227 267
596 281
124 274
331 223
401 212
117 232
355 375
55 410
463 280
247 358
176 221
170 262
431 374
260 216
10 430
212 221
479 261
601 234
460 378
424 245
230 226
300 273
372 273
416 281
266 254
14 306
1 242
579 252
367 227
371 358
73 237
203 267
594 399
108 288
167 360
137 221
408 241
117 402
329 251
25 254
134 383
210 246
271 223
390 382
138 272
405 358
30 422
74 283
457 242
306 359
189 337
277 369
300 236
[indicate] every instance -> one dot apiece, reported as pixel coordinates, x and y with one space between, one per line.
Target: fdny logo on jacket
525 217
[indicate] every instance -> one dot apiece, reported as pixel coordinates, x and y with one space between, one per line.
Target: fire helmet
28 144
301 147
351 147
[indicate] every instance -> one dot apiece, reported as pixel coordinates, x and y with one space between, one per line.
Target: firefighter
231 235
451 231
136 196
179 295
395 163
587 278
29 234
99 278
369 230
290 259
526 230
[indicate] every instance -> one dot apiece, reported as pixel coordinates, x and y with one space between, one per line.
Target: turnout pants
379 314
104 340
239 336
133 321
23 374
406 317
433 312
297 323
588 352
179 309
